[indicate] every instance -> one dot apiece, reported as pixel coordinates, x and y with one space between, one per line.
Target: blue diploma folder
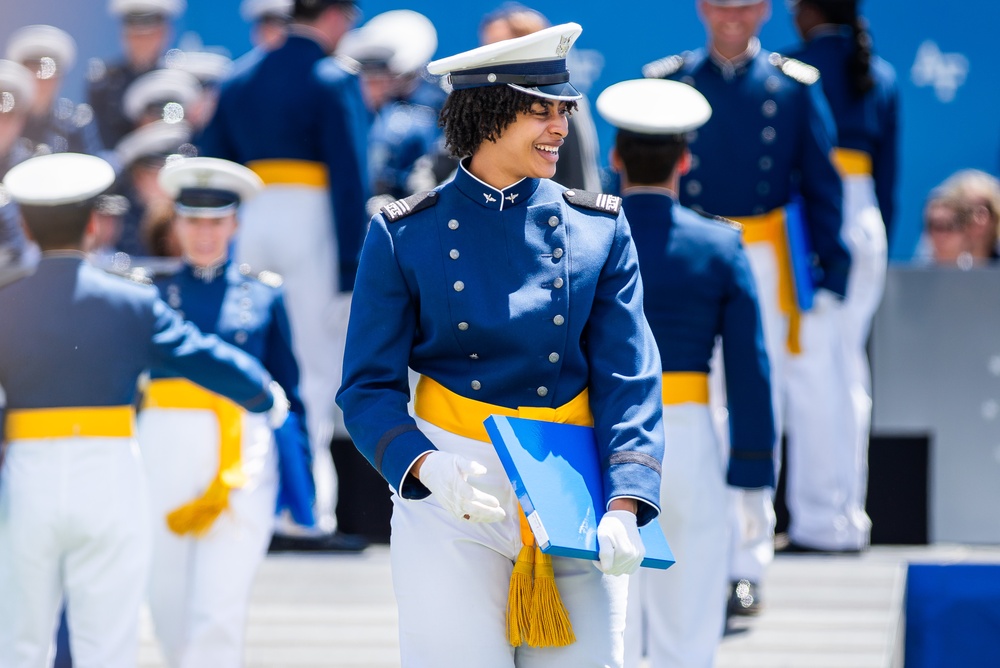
555 473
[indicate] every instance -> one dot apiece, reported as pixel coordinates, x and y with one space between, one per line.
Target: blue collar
489 197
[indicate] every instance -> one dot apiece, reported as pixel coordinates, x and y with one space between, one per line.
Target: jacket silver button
459 286
554 221
476 385
558 320
557 253
452 224
558 283
453 253
463 326
553 357
542 391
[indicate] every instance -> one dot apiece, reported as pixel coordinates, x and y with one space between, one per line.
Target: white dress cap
208 67
168 8
534 64
208 187
58 178
158 139
401 40
653 107
17 87
41 41
255 10
160 87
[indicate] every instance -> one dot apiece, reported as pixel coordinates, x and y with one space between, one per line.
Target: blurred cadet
946 220
698 286
827 502
508 294
390 52
578 160
109 211
145 35
141 154
766 146
161 95
308 144
210 68
978 193
213 468
269 21
56 124
18 255
74 505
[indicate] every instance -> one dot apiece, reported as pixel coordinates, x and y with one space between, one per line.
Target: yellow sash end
549 619
851 162
685 387
291 172
196 517
519 597
90 422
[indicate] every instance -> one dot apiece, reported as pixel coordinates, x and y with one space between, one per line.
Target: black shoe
744 600
331 542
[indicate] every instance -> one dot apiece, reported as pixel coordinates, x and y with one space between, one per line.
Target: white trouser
753 515
678 615
74 525
199 588
289 230
451 580
829 409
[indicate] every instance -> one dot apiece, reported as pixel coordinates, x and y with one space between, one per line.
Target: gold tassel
196 517
519 597
550 625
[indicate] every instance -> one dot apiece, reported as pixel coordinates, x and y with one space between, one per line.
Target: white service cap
158 139
17 87
42 41
255 10
401 41
207 66
165 8
160 87
208 187
534 64
653 107
58 178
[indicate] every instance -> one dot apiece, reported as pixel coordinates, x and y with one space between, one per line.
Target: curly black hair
474 115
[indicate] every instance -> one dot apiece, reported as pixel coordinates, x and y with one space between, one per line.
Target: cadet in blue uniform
56 124
308 145
828 506
767 144
74 520
211 529
698 287
17 89
508 294
269 21
145 33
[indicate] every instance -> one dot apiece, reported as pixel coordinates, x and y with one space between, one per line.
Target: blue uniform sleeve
180 348
375 389
748 380
214 140
279 359
344 128
885 160
823 192
625 379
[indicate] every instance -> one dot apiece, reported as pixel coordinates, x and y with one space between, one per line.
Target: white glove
447 477
278 413
619 544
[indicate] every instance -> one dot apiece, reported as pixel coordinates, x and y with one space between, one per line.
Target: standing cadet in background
308 145
767 143
698 286
74 520
145 34
268 21
214 469
56 124
18 255
827 502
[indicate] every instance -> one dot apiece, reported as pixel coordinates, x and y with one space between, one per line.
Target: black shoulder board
596 201
795 69
663 67
729 223
401 208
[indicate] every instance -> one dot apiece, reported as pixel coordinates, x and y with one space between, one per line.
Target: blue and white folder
801 254
555 473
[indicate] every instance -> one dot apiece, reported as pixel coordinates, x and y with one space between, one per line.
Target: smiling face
527 148
204 241
730 29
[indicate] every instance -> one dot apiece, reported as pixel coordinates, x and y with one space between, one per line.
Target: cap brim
560 91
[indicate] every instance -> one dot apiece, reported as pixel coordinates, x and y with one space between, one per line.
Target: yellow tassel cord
196 517
535 611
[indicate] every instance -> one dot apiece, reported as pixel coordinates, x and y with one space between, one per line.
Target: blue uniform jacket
105 92
294 103
511 297
401 133
250 315
74 336
867 123
67 127
769 138
698 286
12 239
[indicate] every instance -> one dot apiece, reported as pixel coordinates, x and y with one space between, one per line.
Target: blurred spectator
161 95
979 196
946 220
269 21
17 91
55 125
209 68
145 33
109 211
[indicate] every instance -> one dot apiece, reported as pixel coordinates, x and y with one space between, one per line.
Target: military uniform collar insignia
739 64
210 272
489 197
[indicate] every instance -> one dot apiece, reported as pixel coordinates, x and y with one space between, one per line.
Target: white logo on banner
944 71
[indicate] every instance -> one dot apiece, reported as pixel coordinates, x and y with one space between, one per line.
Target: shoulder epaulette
795 69
663 67
401 208
270 278
139 275
729 223
597 201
